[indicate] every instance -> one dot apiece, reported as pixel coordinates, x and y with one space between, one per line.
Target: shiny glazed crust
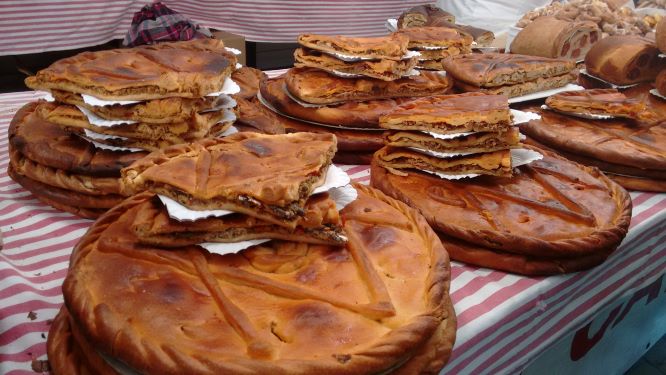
499 69
476 142
660 36
266 176
624 142
62 179
47 144
317 86
48 194
521 264
369 323
190 69
660 82
351 114
551 208
639 183
387 70
390 47
624 60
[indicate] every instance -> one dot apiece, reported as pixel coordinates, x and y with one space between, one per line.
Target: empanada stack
451 135
118 103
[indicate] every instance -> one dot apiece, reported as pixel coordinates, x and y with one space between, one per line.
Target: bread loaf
624 60
550 37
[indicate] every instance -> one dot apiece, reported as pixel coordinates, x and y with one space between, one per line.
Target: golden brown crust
376 314
451 114
489 70
316 86
624 60
476 142
435 37
619 141
551 208
387 70
350 114
47 144
69 354
520 89
72 119
253 114
390 47
266 176
156 111
320 224
605 167
497 163
600 101
62 179
63 196
521 264
189 69
552 37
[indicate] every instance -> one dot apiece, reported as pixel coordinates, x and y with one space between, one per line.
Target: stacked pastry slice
244 187
64 170
435 44
342 85
509 74
450 135
146 97
386 58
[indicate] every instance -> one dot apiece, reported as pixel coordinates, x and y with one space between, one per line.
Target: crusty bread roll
661 35
624 60
550 37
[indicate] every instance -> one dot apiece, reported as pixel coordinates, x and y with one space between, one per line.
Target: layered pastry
436 43
351 114
423 14
48 144
385 69
157 111
497 163
391 47
508 74
468 144
190 69
316 86
553 209
551 37
320 224
449 114
600 102
373 306
624 60
268 177
142 135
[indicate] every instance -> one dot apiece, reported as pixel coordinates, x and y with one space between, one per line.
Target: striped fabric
50 25
504 320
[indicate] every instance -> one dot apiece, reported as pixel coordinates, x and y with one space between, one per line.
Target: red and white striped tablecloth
504 320
50 25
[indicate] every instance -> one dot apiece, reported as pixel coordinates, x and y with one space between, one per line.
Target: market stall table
505 321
